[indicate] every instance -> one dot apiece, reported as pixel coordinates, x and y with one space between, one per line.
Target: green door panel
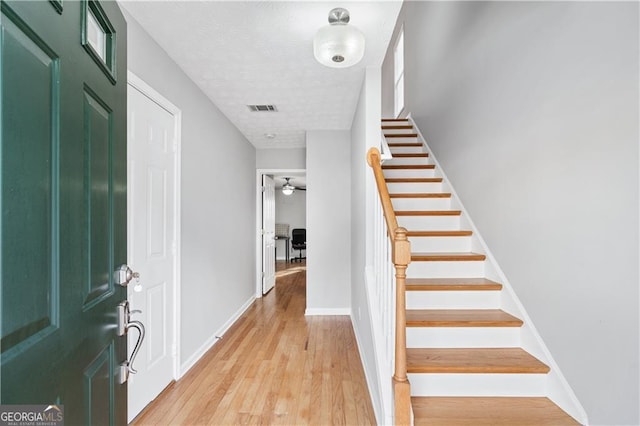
98 138
63 208
29 160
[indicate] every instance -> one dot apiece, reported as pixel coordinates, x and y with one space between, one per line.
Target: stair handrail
401 257
385 151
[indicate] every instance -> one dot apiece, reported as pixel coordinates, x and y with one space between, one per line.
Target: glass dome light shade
338 45
287 189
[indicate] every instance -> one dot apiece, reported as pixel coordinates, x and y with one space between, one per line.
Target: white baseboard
327 311
212 340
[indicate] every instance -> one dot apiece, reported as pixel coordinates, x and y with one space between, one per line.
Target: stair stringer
558 389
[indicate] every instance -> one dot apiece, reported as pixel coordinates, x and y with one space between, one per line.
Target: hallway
273 366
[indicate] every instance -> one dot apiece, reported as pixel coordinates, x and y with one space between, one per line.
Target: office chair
299 242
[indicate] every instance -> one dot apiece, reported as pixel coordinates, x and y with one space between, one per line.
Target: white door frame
259 173
138 84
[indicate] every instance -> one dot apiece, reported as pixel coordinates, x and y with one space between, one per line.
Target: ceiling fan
287 188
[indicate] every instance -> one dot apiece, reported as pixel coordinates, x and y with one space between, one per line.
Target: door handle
140 327
124 324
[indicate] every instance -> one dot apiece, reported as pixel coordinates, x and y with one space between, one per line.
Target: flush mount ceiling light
338 45
287 188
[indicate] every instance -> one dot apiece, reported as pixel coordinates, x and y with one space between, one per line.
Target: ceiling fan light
338 45
287 189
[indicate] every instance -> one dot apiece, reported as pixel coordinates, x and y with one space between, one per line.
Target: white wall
292 158
292 210
217 220
365 133
532 109
328 222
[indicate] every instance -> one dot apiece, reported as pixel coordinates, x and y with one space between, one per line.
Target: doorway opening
278 213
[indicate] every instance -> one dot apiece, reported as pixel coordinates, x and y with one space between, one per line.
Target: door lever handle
124 324
141 331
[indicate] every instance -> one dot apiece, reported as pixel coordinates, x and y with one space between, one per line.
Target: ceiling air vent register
262 108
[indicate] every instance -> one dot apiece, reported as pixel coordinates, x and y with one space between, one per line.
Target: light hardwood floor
274 366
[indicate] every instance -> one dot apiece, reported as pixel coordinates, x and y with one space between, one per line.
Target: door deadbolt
123 275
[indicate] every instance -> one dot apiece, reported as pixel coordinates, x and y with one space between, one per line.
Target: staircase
464 357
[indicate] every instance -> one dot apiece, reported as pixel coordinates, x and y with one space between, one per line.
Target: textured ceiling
261 52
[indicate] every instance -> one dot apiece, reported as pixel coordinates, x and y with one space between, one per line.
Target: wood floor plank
447 257
488 411
401 135
422 195
413 180
404 144
397 127
439 233
428 212
408 166
473 360
461 318
273 366
452 284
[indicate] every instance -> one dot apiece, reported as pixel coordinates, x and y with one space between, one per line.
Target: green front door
63 202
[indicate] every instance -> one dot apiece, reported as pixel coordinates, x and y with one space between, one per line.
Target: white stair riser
411 139
458 269
398 131
409 188
478 384
440 244
463 337
430 223
421 203
453 299
408 160
406 149
409 173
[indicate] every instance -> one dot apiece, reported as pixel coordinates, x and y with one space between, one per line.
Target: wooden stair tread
407 166
473 360
422 195
386 120
439 233
428 212
446 257
410 155
397 127
488 411
403 144
461 318
452 284
413 180
401 135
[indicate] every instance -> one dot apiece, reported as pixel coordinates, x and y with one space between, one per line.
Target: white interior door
268 233
151 249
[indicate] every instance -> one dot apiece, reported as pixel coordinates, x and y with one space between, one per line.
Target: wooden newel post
401 389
